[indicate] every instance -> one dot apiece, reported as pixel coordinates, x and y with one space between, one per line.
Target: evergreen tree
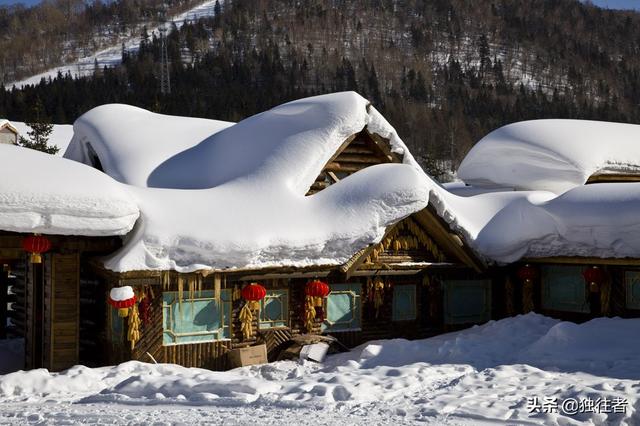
41 129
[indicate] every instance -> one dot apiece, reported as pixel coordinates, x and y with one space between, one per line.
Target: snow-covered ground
523 370
112 55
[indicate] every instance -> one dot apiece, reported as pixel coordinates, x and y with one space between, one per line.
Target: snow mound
595 220
486 373
47 194
551 155
221 195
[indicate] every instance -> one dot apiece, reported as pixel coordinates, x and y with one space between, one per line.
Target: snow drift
482 374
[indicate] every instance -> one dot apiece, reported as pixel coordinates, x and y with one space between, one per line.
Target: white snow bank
552 155
60 135
47 194
236 199
486 373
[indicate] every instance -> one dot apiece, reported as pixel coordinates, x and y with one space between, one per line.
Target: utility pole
165 78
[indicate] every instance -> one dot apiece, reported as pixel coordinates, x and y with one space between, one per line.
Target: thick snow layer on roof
598 220
552 155
48 194
236 199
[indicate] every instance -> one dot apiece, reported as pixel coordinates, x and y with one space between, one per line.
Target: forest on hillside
443 72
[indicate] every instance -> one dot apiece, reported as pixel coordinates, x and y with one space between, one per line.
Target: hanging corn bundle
378 294
133 333
315 292
309 314
122 298
253 293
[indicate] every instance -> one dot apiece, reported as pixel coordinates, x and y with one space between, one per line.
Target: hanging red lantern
317 290
122 298
595 277
527 273
36 245
254 293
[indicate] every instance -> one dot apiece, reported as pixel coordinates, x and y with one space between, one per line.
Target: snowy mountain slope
112 55
486 374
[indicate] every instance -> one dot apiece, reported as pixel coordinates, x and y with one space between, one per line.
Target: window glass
201 319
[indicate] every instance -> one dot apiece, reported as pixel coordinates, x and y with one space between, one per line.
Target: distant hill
444 72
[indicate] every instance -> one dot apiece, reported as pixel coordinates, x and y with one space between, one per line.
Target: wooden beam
439 230
612 177
577 260
358 259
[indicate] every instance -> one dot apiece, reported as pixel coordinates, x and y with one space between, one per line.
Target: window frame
221 334
356 307
451 319
263 324
395 312
572 271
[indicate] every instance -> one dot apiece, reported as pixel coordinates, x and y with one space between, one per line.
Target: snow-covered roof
551 212
6 123
43 193
221 195
551 155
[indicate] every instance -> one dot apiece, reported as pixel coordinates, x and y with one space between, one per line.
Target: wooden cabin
421 278
8 133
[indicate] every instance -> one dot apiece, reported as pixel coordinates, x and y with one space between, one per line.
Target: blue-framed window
467 301
197 320
564 288
342 308
632 286
404 306
274 309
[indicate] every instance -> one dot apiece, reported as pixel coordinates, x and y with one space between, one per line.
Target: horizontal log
358 158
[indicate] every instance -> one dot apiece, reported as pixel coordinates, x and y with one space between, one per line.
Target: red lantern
595 277
317 290
36 245
527 273
253 292
122 298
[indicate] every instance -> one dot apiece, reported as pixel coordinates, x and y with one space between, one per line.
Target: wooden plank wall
63 296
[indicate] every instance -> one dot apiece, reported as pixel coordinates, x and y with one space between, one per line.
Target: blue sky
612 4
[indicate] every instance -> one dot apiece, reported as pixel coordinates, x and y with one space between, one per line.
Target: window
116 324
342 308
632 285
404 303
201 319
564 289
274 309
467 301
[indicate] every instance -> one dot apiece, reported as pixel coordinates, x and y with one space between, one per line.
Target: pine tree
41 129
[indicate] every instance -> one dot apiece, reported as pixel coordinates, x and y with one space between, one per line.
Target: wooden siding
63 297
356 153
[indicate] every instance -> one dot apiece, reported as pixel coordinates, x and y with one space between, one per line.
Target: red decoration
253 292
595 277
123 304
36 245
145 308
317 289
594 274
527 273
